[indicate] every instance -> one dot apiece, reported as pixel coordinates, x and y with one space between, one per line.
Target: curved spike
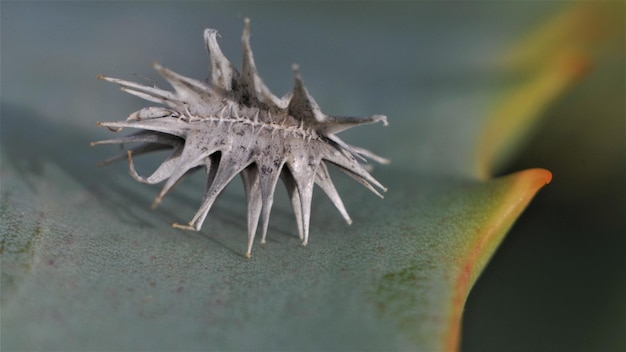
173 180
294 196
248 77
302 106
152 94
268 186
138 150
251 83
360 153
363 181
223 73
232 161
153 141
335 124
304 177
322 179
190 158
151 112
143 136
207 162
345 146
184 86
250 177
165 170
348 164
305 190
166 124
228 168
368 154
173 103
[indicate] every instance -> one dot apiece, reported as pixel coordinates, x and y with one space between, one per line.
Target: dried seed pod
235 125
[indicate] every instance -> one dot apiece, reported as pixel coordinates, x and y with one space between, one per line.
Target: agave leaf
545 63
410 262
535 279
87 265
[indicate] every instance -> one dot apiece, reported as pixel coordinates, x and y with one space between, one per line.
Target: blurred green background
558 283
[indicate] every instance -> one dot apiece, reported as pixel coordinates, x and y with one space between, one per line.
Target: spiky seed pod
235 125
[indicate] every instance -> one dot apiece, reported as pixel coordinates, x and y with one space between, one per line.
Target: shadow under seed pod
28 149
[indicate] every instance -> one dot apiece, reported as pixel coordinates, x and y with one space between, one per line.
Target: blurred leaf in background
558 283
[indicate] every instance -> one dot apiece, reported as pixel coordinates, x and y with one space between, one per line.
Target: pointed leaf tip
515 193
